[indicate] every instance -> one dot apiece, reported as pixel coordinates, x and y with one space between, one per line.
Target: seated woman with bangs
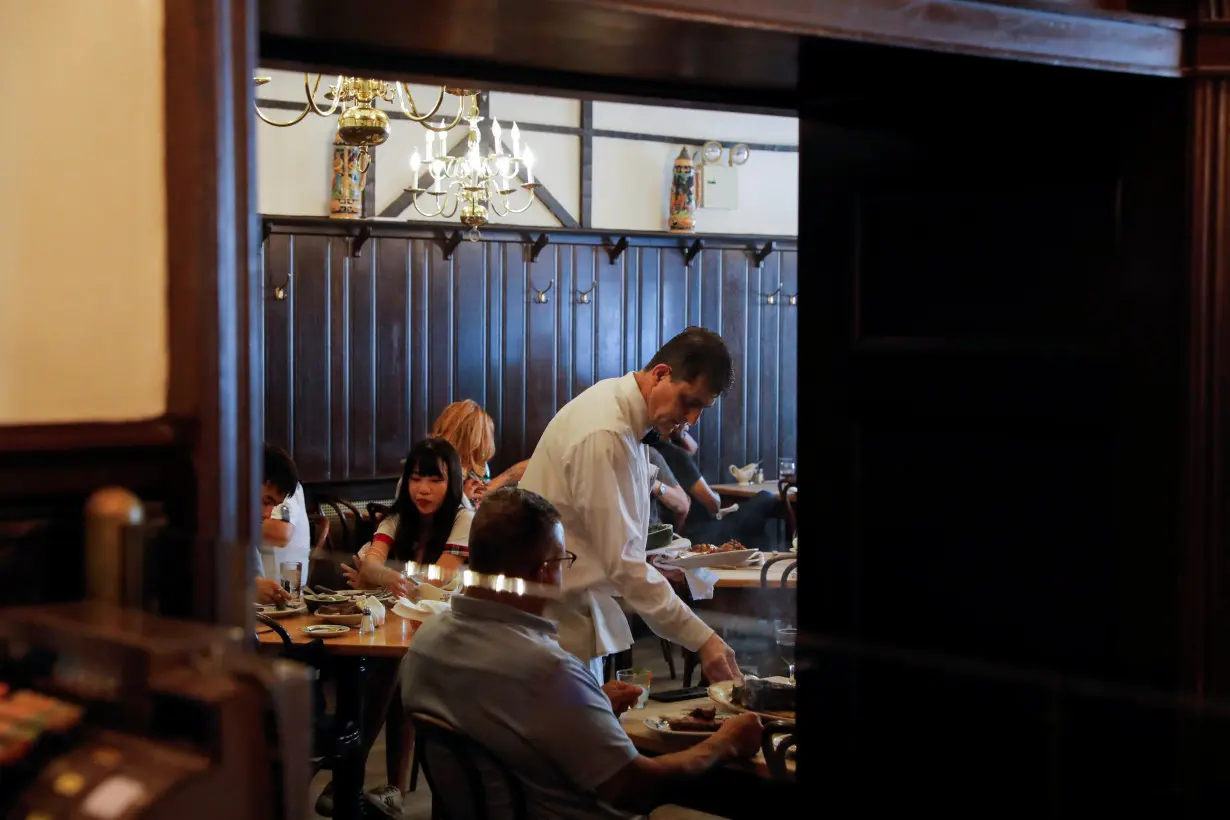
428 524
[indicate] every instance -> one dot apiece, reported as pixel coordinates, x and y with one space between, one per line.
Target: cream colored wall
631 178
83 315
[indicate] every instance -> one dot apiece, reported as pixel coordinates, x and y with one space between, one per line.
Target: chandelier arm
415 202
453 212
307 109
525 207
337 97
461 108
412 112
495 209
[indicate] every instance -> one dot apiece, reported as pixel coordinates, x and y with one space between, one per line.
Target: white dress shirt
590 463
299 548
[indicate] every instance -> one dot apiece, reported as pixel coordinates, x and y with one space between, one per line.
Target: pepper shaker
758 477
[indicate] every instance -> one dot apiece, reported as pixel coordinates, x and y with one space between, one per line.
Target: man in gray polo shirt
492 668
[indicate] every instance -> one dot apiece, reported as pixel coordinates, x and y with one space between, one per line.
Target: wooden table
650 742
391 640
750 576
745 490
377 653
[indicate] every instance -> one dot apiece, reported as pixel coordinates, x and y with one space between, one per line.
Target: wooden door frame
212 241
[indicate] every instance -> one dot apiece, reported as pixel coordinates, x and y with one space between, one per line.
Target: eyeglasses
567 559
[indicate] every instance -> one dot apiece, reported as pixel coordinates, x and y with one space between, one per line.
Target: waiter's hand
718 660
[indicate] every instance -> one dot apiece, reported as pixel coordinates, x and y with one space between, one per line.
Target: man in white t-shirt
285 532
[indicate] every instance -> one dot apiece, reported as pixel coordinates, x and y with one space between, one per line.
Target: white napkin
420 611
700 582
377 609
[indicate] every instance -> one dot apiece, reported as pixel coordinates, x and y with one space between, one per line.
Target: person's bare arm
276 533
510 476
703 493
640 785
685 440
675 499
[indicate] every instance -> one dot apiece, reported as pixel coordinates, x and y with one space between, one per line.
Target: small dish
326 630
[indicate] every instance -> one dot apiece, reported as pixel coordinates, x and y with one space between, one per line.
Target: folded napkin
700 582
419 611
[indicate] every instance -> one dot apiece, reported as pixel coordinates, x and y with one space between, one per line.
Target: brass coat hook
584 295
771 298
540 296
792 299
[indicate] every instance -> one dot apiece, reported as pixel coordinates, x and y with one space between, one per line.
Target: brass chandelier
361 124
474 184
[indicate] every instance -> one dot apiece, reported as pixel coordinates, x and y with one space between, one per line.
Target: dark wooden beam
587 163
548 199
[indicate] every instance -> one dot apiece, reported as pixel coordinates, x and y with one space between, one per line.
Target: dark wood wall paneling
365 351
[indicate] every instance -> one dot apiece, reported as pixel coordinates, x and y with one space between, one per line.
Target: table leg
350 765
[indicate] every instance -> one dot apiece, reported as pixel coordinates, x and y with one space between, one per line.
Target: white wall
631 178
83 324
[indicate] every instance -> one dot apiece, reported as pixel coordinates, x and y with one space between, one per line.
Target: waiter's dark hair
697 353
511 531
280 470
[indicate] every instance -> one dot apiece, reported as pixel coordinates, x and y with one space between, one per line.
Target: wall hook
792 299
540 296
772 297
584 295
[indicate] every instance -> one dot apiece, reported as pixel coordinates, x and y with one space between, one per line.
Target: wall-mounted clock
739 154
711 152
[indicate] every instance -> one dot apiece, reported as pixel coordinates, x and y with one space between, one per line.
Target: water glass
785 634
637 677
291 576
785 468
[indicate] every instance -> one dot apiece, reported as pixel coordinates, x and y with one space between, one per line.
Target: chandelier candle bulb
529 165
516 138
495 136
415 163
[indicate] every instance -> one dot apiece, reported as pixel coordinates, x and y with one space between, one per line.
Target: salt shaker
365 625
758 477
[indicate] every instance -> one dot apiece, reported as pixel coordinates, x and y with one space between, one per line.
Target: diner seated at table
493 669
428 523
701 524
280 482
466 426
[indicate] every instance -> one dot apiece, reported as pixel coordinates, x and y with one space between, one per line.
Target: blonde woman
471 431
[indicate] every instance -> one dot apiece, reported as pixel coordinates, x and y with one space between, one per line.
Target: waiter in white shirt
590 463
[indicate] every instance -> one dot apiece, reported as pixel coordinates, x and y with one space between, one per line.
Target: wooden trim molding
423 229
54 438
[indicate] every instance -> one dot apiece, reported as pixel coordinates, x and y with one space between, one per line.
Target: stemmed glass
784 633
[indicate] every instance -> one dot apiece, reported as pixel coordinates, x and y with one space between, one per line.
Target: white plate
712 559
275 613
326 630
720 694
678 545
660 726
345 620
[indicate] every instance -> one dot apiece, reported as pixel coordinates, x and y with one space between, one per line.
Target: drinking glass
785 633
291 575
785 468
637 677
